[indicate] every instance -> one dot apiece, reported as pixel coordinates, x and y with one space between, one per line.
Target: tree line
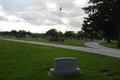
51 32
14 33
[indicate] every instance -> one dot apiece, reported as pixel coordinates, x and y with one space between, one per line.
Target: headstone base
64 72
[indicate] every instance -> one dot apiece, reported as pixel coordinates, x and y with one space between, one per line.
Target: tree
69 34
29 33
80 34
61 34
13 32
90 25
116 17
22 33
106 11
52 32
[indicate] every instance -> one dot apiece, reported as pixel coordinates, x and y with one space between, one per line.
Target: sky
39 16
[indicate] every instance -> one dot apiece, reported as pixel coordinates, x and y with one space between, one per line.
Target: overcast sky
41 15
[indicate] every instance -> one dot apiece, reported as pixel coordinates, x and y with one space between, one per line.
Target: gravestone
19 36
48 37
10 35
103 39
81 38
64 66
84 39
27 36
36 36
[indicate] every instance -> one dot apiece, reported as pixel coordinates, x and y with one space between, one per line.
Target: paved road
96 48
104 50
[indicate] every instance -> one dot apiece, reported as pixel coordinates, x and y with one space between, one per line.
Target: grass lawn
24 61
113 44
66 42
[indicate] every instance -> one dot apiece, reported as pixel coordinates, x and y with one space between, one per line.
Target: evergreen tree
107 13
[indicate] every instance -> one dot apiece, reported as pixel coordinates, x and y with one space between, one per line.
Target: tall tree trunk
118 45
92 36
108 39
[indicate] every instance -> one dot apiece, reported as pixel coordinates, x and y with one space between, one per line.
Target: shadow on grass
108 74
70 77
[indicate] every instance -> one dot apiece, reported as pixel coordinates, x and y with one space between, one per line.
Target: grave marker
36 36
27 36
65 66
19 36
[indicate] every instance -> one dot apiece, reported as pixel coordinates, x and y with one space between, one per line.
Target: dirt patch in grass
109 74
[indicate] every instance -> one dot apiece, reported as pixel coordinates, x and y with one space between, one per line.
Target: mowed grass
66 42
24 61
113 44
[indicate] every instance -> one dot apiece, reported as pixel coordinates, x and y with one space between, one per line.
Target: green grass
24 61
66 42
113 44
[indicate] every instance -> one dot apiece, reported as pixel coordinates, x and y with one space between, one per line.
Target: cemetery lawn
24 61
79 43
113 44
